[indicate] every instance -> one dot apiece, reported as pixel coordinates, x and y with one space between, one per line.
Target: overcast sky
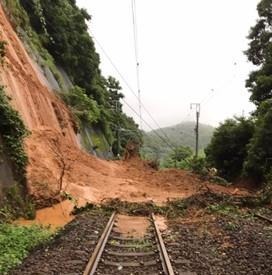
189 51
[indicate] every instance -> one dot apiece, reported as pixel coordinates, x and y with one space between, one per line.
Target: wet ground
131 226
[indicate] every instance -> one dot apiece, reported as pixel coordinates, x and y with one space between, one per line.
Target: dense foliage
125 129
228 148
83 106
260 53
13 132
259 161
14 203
17 241
62 29
12 129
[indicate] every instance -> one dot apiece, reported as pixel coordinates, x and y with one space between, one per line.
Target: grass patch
231 226
223 209
17 241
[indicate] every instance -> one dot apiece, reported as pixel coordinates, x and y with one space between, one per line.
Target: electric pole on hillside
197 107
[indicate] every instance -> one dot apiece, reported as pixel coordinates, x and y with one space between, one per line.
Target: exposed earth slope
56 161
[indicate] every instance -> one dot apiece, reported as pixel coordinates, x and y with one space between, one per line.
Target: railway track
115 254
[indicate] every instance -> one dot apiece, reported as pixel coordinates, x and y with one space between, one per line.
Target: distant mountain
177 135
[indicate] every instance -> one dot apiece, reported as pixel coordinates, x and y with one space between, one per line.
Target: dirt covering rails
129 255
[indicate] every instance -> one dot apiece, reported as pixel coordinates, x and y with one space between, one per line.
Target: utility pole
197 107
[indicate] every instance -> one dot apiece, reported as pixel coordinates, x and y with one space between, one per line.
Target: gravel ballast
70 251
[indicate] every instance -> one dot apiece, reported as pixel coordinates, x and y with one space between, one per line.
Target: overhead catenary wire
149 126
136 48
130 88
213 93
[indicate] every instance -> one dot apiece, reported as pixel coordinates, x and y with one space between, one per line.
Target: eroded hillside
56 161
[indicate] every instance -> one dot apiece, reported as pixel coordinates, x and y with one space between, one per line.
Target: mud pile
56 161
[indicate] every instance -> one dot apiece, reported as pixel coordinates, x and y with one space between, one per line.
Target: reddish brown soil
132 226
53 147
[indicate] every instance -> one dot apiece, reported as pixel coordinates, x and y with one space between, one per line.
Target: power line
136 48
226 84
129 87
148 125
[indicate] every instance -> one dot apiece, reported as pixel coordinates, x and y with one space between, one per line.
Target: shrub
84 107
198 166
228 147
13 132
259 160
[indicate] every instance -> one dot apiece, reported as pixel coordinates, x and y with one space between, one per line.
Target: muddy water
55 216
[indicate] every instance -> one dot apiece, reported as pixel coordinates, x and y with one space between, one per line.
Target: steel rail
263 217
96 256
167 266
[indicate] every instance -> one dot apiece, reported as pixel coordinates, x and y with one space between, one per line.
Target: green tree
85 108
125 129
181 153
178 157
114 88
228 148
259 160
260 53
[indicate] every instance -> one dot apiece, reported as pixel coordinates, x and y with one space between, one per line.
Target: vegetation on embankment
95 100
13 132
14 202
12 129
17 241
